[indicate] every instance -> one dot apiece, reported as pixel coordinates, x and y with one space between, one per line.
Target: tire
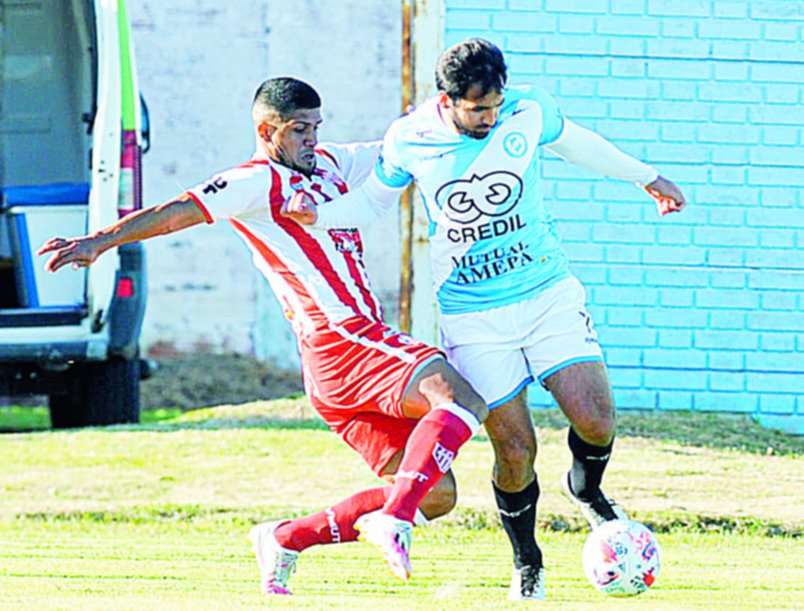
105 393
64 413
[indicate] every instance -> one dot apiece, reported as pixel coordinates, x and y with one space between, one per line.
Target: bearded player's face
295 139
476 113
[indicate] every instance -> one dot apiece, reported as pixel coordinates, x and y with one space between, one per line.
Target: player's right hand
77 252
301 208
668 196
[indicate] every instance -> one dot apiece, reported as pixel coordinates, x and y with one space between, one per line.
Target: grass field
154 516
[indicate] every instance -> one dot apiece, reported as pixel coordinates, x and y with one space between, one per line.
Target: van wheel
104 393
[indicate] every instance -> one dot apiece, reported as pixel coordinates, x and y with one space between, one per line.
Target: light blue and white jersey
492 242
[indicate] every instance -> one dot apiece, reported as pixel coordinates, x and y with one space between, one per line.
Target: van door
47 78
107 134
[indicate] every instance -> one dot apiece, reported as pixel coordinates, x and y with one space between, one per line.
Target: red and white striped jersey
317 274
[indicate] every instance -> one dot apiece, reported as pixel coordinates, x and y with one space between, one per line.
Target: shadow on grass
711 430
466 519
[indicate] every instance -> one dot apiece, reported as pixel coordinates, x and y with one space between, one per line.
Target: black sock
518 515
588 464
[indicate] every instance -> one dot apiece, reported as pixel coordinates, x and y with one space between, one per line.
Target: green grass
112 566
153 516
16 418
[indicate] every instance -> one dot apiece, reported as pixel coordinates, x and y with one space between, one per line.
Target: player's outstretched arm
169 217
358 208
588 149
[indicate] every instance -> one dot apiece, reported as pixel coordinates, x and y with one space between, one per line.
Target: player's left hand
75 252
668 196
300 208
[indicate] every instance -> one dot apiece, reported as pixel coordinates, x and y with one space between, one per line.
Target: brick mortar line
791 270
698 370
658 57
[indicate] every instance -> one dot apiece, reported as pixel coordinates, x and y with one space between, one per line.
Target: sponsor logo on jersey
492 195
471 268
480 206
214 185
486 230
515 144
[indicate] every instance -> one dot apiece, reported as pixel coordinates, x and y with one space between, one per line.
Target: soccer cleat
598 510
393 538
276 562
527 584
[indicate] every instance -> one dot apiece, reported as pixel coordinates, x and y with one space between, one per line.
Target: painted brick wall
703 310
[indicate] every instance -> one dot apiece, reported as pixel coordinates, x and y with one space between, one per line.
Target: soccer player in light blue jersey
510 309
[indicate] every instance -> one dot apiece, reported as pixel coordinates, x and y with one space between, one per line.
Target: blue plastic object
53 194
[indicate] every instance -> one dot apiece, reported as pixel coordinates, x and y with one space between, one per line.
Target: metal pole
406 201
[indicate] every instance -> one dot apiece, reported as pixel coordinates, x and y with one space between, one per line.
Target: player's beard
472 133
306 169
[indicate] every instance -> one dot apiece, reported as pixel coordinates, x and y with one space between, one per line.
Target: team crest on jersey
467 201
515 144
347 240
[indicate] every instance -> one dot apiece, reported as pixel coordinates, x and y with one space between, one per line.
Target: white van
71 140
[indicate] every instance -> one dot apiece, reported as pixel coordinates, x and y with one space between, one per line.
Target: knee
441 499
596 429
513 469
438 388
474 403
516 454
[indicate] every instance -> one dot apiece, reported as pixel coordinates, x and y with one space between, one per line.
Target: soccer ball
621 558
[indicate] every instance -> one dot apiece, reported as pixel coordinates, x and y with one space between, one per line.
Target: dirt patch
202 380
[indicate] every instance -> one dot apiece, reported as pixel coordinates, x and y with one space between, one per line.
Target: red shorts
355 375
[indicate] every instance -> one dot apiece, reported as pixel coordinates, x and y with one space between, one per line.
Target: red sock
333 525
429 452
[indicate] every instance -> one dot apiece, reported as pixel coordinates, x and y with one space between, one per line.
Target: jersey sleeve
233 192
552 117
390 169
355 160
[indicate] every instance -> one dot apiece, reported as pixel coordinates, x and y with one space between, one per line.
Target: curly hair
472 62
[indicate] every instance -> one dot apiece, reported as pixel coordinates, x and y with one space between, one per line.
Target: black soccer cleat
598 510
527 584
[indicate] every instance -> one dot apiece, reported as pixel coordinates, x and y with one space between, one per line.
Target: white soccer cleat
527 583
393 538
276 562
597 511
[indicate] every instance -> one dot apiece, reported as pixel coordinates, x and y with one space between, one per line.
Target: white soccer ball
621 558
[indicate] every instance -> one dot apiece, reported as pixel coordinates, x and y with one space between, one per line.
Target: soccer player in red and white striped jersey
393 399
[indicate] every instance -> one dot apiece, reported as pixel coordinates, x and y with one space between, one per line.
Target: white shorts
502 350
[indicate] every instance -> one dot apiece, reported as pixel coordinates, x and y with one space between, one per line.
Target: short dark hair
283 95
473 61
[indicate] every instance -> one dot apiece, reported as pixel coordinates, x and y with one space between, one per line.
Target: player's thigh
378 438
439 382
498 371
562 332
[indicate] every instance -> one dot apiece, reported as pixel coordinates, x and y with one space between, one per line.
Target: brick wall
703 310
